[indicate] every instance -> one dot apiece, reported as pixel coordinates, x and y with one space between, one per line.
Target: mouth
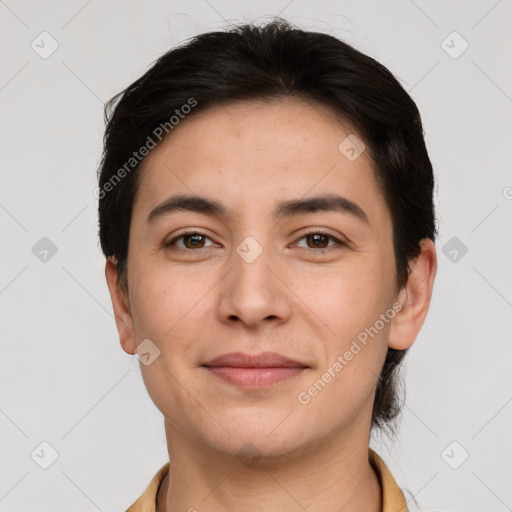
254 371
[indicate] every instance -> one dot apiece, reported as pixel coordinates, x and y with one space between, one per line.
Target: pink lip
254 371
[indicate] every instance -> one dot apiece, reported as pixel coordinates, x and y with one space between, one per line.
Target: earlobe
415 298
122 312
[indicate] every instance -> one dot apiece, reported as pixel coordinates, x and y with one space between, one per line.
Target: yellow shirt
392 498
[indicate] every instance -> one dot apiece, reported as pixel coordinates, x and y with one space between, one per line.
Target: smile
254 371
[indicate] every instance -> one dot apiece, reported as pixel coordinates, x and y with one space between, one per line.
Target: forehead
257 154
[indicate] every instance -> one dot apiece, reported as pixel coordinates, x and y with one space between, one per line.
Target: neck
315 479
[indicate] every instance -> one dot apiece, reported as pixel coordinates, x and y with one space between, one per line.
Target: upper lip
263 360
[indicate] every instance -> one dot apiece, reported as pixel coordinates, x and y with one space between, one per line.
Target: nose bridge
251 267
251 291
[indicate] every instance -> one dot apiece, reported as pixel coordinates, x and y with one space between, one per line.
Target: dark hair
266 62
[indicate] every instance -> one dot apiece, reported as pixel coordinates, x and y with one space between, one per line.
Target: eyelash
319 249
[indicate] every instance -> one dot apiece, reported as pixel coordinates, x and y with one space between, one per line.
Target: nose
254 293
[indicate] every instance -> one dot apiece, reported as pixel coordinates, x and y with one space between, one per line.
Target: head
256 134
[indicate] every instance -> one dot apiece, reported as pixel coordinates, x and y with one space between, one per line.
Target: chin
251 449
258 434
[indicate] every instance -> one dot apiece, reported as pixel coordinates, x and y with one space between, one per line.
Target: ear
120 303
414 298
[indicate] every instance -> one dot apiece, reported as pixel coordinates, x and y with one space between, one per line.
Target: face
257 294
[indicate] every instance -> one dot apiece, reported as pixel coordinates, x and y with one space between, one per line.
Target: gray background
64 377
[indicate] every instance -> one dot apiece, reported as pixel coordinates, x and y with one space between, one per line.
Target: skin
296 299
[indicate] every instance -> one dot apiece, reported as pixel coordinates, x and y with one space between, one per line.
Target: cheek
170 310
347 299
166 301
349 304
354 347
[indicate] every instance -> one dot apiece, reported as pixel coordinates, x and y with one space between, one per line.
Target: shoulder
147 501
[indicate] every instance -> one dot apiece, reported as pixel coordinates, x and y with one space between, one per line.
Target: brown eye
319 240
190 241
193 241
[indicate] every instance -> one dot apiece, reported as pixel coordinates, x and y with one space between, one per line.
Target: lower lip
255 378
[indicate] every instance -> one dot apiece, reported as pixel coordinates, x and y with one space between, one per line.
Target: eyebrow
212 207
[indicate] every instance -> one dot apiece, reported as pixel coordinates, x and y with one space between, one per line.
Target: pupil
319 238
194 240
